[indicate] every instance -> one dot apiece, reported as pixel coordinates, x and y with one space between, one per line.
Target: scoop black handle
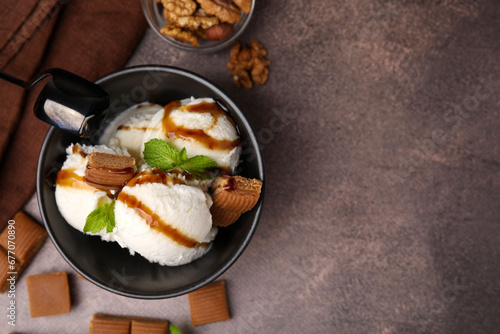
67 101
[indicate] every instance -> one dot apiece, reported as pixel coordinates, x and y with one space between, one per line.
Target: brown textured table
380 129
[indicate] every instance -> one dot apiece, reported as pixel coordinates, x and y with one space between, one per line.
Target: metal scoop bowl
67 101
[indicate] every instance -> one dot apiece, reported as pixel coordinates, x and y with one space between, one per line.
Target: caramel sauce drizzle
145 105
68 178
128 127
155 221
78 150
156 176
230 185
174 131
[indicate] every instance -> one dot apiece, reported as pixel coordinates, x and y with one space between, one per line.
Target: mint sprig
102 217
160 154
174 329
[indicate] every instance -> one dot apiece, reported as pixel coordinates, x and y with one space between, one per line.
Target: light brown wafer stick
236 193
209 304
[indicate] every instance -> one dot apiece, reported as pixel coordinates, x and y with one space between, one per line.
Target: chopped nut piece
209 304
48 294
245 5
239 64
245 61
180 34
223 9
191 22
180 7
258 50
241 78
260 72
109 171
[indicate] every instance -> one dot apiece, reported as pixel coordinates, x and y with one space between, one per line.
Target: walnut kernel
223 9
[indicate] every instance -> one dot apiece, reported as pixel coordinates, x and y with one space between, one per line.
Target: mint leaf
174 329
160 154
200 167
183 155
102 217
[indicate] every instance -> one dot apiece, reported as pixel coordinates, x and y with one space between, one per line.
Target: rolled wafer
222 217
236 193
109 171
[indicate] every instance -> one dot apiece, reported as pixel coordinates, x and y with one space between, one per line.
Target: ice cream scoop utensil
67 101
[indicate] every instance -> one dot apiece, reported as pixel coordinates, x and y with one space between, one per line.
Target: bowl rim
188 47
259 159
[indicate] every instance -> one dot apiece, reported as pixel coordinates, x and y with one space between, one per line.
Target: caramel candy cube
7 270
26 237
209 304
144 326
48 294
115 324
107 324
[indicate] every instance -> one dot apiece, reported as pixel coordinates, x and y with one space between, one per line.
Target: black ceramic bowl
108 265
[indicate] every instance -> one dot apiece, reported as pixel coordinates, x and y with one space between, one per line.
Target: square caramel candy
23 237
149 326
9 271
209 304
114 324
48 294
108 324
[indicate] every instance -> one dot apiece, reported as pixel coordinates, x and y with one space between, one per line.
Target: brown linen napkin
88 37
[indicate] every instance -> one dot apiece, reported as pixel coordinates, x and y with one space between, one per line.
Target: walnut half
225 10
248 65
180 34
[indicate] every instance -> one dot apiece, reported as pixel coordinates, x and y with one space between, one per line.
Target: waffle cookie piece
232 196
114 324
109 171
48 294
209 304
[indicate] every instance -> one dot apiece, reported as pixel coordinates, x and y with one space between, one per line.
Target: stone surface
379 128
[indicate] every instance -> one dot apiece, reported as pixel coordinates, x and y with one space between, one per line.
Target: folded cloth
87 37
